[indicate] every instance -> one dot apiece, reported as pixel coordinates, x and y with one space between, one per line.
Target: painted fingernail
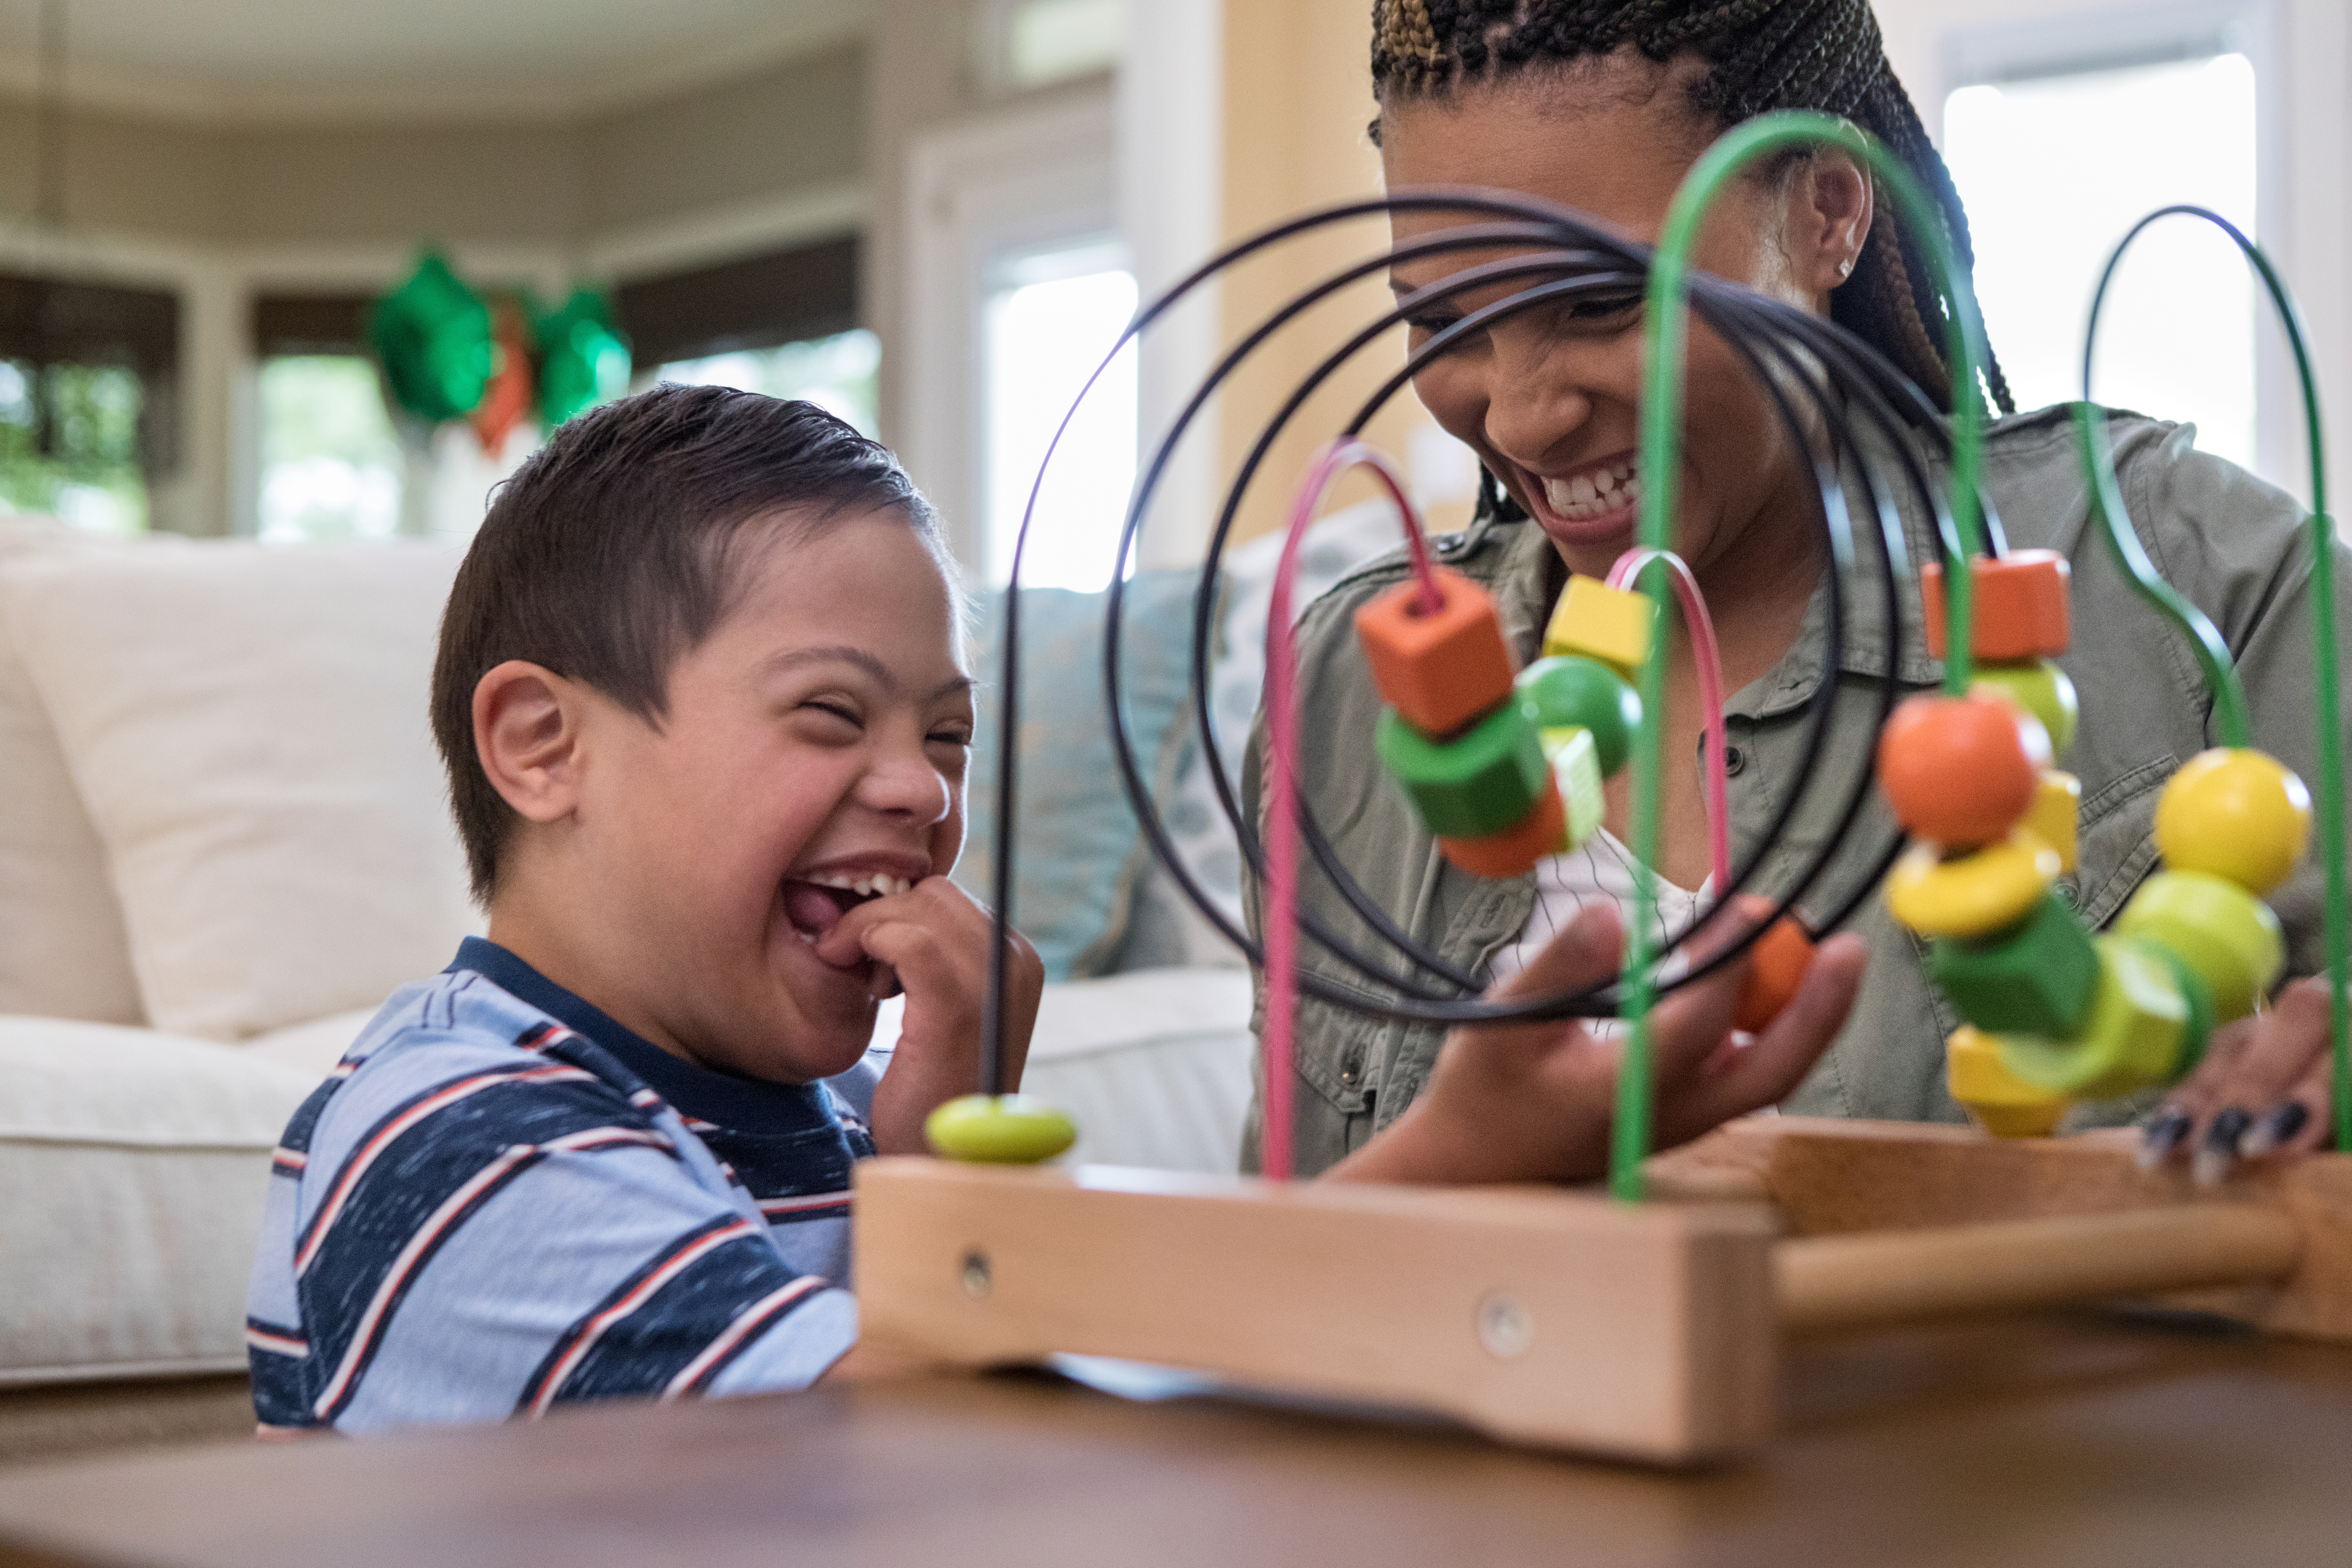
2219 1151
2161 1137
2278 1124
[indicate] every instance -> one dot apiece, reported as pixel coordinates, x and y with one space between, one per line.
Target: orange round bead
1776 967
1961 770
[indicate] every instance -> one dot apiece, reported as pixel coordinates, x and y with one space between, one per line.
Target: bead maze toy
1643 1323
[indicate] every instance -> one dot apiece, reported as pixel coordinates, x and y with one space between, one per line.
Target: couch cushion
247 728
63 952
134 1164
1154 1066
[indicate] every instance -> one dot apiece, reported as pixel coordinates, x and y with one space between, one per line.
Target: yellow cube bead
1612 625
1976 894
1575 766
2056 815
2236 813
2227 937
2000 1101
2138 1024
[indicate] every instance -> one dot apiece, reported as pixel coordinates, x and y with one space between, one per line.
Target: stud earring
1845 267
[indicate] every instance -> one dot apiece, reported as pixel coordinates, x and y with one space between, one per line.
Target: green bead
2040 689
2226 935
1572 691
2039 977
2132 1040
1576 768
2198 1027
1480 781
999 1130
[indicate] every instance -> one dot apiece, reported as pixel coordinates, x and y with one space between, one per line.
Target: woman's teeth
1586 496
876 885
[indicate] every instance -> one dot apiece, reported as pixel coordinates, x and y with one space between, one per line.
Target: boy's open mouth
815 906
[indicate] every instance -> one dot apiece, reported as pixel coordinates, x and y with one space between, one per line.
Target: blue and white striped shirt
503 1200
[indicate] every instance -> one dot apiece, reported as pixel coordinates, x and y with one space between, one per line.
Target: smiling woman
1604 106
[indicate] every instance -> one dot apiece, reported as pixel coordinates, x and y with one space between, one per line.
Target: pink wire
1281 782
1709 657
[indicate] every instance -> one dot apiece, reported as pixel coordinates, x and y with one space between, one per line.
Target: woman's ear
1831 209
527 735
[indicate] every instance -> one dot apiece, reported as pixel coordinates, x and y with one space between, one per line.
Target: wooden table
2057 1439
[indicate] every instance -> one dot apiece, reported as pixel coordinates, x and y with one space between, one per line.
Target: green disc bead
2198 1030
2040 689
1570 692
2039 977
2131 1041
1480 781
2228 936
999 1130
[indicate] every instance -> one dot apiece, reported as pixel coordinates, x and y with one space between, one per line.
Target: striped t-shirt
502 1200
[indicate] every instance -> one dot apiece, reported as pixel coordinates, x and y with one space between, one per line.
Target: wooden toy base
1564 1319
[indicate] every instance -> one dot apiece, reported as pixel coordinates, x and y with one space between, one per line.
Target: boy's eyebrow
794 657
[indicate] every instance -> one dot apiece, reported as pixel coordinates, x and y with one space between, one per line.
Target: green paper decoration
433 336
584 360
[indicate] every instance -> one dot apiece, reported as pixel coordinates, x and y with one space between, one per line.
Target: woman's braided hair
1764 55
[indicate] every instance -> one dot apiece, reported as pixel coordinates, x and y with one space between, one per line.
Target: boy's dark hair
610 553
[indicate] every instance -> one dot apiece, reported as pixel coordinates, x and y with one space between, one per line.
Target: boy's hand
1533 1103
2262 1089
933 942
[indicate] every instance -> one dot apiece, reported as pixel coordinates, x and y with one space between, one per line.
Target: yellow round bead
1976 894
999 1130
2235 814
2002 1103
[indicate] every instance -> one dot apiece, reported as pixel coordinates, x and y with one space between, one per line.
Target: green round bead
1573 692
2043 690
1483 781
2226 935
999 1130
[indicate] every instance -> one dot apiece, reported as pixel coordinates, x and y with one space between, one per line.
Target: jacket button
1735 761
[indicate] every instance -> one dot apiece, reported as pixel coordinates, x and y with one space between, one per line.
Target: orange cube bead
1776 967
2020 609
1515 851
1441 671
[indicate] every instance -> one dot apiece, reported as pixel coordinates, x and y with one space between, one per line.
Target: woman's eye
1605 306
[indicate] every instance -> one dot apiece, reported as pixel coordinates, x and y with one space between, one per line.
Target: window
837 373
330 463
1048 320
1047 41
69 445
2177 337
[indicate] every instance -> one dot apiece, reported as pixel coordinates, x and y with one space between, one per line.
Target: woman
1603 105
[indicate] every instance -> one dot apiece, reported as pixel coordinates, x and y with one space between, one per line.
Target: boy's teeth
878 884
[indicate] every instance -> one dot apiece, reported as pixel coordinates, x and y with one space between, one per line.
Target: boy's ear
527 732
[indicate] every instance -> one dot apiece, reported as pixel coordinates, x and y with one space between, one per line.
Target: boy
700 695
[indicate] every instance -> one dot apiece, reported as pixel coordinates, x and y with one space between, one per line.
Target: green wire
1666 334
2204 637
2231 700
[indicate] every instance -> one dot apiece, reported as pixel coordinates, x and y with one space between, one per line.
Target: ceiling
396 60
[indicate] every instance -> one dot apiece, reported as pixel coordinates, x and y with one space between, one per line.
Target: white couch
222 841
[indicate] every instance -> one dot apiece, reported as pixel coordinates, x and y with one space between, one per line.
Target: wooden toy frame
1564 1319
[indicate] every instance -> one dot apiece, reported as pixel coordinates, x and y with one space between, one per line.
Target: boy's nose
908 786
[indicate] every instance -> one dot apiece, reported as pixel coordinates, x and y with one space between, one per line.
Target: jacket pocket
2116 847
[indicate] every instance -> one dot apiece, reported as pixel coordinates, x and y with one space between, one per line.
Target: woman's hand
933 942
2261 1091
1527 1103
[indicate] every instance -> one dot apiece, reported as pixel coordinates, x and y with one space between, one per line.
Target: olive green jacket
2232 543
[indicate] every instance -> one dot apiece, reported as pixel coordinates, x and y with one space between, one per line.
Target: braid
1762 55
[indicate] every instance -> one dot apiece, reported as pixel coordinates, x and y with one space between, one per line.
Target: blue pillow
1080 849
